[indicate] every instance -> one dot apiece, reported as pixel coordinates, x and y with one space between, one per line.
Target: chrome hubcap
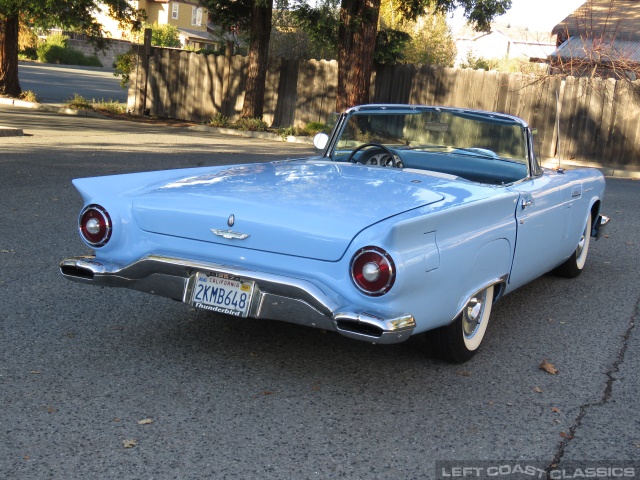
472 314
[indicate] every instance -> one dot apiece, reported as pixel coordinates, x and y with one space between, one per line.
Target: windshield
437 131
477 146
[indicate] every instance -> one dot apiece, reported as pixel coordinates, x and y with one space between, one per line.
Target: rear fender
490 267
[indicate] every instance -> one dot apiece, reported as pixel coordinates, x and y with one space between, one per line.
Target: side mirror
320 140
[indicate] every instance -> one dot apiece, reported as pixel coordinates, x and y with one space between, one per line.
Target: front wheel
461 339
575 263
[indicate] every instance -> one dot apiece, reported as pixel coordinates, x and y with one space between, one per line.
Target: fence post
142 78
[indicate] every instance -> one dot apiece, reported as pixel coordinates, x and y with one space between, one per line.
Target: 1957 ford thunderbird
413 219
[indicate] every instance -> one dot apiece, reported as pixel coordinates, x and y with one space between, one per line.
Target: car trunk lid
311 210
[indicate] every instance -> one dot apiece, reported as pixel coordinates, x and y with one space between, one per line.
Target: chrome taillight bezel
386 265
100 214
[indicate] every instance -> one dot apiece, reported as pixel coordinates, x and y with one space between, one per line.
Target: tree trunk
9 83
258 58
356 43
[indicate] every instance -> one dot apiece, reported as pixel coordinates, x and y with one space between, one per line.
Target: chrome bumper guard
276 297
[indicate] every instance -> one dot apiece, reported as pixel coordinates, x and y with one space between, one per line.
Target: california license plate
222 293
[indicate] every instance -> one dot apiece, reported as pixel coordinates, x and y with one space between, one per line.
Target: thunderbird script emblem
229 234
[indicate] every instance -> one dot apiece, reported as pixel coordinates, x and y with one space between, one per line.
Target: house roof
198 36
513 33
619 19
598 50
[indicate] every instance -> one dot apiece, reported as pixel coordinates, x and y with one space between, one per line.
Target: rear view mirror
320 140
436 127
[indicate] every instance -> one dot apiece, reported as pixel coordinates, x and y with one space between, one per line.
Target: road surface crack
606 394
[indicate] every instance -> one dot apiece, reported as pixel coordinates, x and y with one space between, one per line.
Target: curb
248 134
12 102
10 132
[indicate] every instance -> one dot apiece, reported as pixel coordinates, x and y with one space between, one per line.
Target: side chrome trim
276 297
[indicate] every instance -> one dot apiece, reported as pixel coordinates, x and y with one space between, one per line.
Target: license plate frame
222 293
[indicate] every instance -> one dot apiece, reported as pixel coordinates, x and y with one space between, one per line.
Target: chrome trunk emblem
231 220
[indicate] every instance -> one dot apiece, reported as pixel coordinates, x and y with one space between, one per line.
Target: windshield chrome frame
533 169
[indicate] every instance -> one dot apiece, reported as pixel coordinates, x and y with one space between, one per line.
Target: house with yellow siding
187 16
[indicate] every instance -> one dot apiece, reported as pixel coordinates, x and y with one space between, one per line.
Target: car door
542 219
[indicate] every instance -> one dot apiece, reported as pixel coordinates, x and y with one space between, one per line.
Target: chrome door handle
526 203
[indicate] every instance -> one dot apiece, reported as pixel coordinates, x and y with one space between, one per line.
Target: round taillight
95 225
373 271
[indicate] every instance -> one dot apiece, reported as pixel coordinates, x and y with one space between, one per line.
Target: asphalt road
85 370
58 83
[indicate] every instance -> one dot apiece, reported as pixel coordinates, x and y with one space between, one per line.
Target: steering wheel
394 163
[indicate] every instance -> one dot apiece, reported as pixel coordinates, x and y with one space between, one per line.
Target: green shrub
165 35
28 53
29 96
78 102
309 130
55 50
312 128
219 120
49 50
109 106
285 132
124 65
252 125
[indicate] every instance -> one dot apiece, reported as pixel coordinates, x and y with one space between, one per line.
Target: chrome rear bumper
276 297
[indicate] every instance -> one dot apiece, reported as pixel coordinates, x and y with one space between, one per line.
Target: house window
196 16
174 10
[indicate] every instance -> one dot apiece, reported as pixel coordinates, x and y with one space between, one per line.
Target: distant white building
502 41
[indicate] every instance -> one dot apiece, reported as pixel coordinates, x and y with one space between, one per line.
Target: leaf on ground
537 389
548 367
555 410
566 435
145 421
464 373
129 443
35 372
267 392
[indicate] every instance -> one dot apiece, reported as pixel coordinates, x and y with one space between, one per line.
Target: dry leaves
548 367
555 410
129 443
145 421
537 389
566 435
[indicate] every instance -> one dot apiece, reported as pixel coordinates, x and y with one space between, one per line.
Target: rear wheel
460 340
575 263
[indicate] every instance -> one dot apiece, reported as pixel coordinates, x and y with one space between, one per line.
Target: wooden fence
599 119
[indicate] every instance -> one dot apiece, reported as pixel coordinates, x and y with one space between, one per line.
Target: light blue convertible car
414 219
